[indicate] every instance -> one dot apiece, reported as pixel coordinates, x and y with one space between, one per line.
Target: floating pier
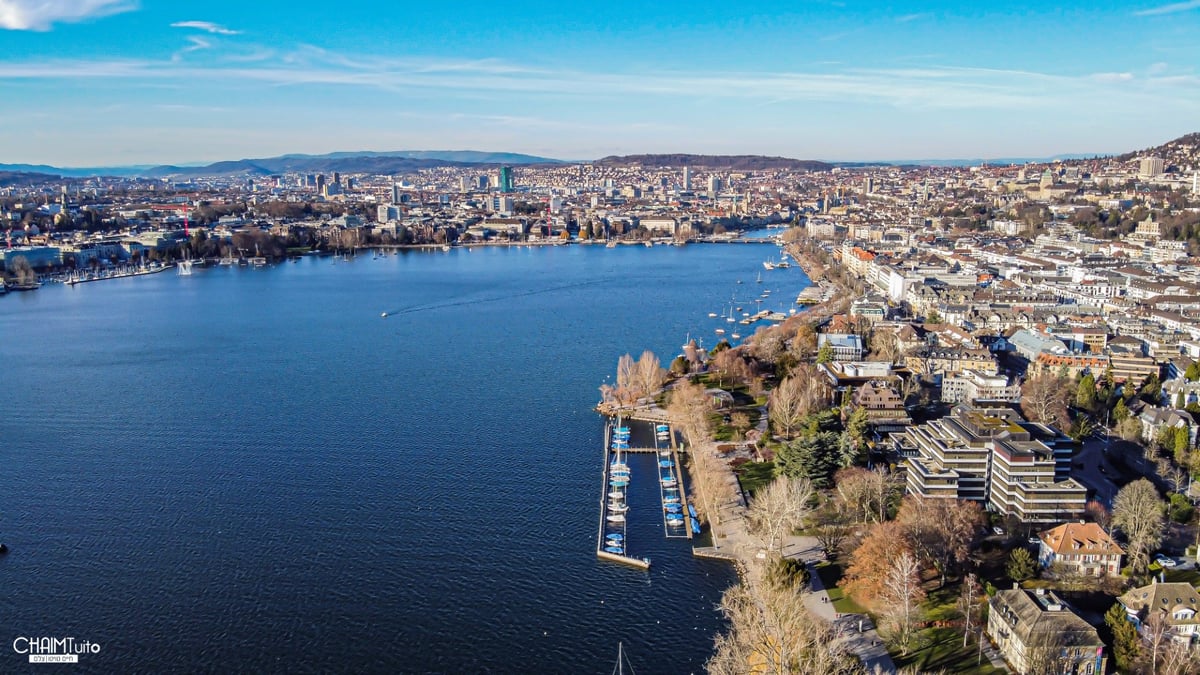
611 541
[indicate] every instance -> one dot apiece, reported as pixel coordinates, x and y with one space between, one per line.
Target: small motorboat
383 315
671 499
617 507
615 536
616 494
667 481
673 508
616 518
666 463
619 550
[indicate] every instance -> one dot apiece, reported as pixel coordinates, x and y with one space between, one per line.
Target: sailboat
759 279
619 669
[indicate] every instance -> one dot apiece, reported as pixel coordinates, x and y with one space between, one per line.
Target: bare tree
786 406
648 374
626 367
902 595
770 630
688 409
941 530
1044 399
1138 514
867 493
968 603
779 508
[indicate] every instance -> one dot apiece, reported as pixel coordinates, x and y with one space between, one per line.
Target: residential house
1177 603
1036 632
1084 548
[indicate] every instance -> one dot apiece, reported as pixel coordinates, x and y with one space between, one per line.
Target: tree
1192 373
1085 393
866 495
688 408
814 457
871 562
942 531
857 431
1126 646
771 630
1138 514
1098 514
825 353
1044 399
902 595
804 344
969 605
786 406
1021 565
1120 411
779 508
648 374
831 527
740 422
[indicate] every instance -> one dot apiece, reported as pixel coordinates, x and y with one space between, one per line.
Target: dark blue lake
249 470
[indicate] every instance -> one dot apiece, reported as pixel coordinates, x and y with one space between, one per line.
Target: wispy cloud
1112 77
196 43
930 87
905 18
1169 9
206 26
41 15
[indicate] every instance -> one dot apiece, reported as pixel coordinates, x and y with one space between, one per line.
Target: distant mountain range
728 162
401 161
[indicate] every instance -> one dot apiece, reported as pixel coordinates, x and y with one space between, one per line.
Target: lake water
249 470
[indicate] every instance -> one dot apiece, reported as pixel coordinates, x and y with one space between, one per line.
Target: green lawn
942 652
831 574
940 649
1190 576
755 475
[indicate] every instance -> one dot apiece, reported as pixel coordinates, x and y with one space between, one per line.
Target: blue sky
109 82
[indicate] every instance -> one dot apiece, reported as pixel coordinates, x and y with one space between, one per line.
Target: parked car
1164 561
998 530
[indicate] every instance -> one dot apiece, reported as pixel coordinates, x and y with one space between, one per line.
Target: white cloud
1169 9
1112 77
206 26
905 18
925 88
42 14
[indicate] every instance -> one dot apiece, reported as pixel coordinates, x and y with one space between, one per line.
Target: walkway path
731 535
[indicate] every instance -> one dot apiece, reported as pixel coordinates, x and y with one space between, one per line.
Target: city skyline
113 82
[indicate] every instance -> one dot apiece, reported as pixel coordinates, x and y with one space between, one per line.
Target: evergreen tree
1193 372
1126 646
1085 393
814 457
1120 412
1021 565
825 353
857 431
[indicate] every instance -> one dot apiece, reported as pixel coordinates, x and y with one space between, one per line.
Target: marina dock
611 541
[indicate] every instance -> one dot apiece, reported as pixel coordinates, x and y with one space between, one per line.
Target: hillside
1183 153
22 178
728 162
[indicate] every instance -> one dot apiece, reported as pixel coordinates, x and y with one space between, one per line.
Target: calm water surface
248 470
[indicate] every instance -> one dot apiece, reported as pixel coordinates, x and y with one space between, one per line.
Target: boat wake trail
485 300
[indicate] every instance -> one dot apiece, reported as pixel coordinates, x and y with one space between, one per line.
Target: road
1092 468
